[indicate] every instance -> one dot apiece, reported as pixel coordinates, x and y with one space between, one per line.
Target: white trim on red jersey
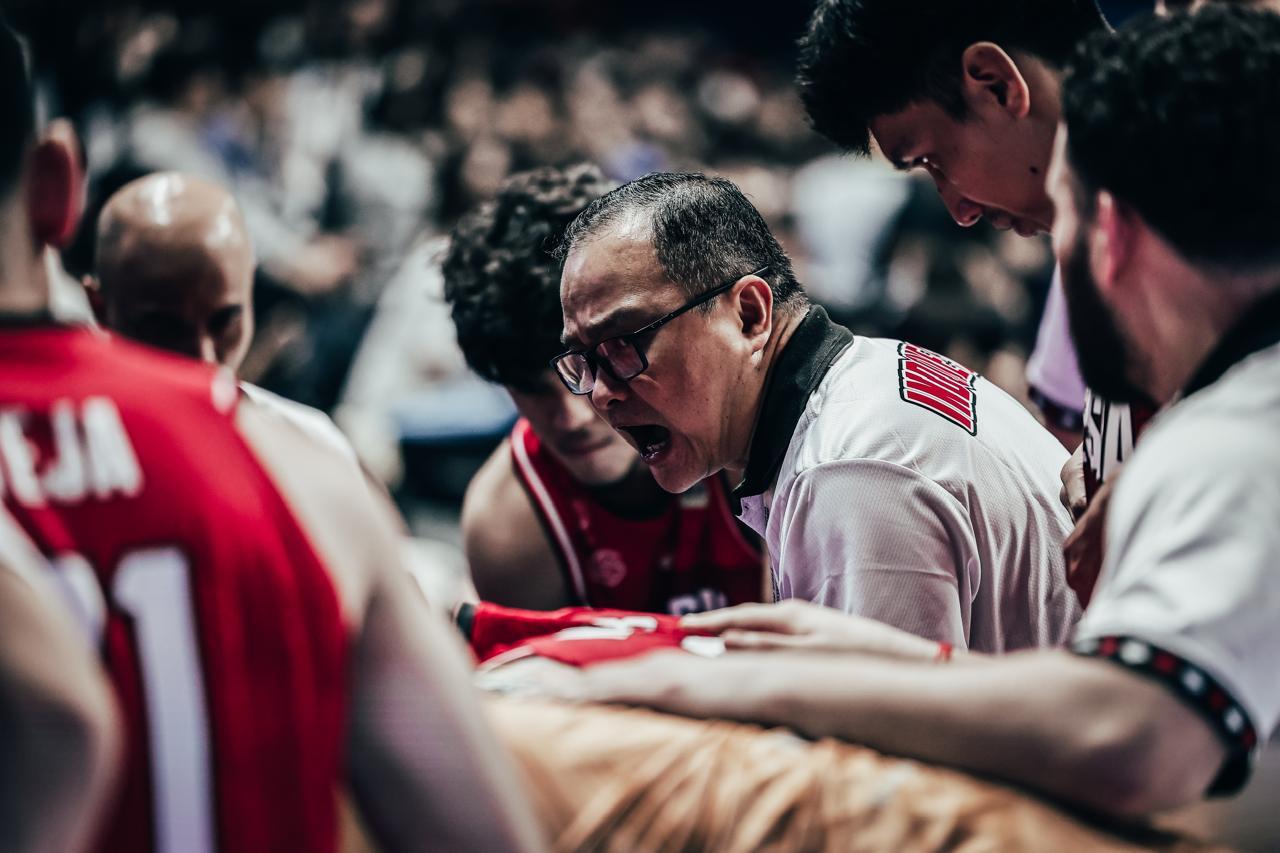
548 507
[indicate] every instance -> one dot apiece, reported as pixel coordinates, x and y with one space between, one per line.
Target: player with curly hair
565 512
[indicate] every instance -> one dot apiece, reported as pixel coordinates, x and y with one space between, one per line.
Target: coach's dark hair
861 59
704 232
1179 118
17 108
501 279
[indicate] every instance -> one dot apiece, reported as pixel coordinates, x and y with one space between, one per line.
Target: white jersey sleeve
1190 591
879 540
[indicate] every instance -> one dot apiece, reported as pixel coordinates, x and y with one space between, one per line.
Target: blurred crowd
355 132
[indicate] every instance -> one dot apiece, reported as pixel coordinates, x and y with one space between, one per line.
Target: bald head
174 268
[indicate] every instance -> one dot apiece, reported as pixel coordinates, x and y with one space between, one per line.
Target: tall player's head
965 89
684 389
41 184
174 268
504 288
1166 187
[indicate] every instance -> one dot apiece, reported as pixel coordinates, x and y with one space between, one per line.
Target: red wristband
944 653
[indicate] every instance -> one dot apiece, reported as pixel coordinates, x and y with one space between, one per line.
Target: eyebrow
630 317
899 162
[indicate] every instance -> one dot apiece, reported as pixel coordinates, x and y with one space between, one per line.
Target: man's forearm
1076 729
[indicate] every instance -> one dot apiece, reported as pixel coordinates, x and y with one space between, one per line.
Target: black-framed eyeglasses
622 356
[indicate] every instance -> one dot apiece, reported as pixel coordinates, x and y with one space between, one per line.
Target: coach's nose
966 213
607 391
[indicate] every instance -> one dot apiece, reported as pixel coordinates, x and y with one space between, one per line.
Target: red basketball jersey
577 636
691 557
217 621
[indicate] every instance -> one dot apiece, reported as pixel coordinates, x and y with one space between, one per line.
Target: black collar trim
1259 330
27 320
799 368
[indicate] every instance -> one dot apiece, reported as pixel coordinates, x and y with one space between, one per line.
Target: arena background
354 132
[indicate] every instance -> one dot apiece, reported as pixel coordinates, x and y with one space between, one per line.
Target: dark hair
704 232
1179 118
861 59
17 108
501 279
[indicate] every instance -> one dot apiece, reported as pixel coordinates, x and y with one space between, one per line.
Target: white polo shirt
892 483
1190 590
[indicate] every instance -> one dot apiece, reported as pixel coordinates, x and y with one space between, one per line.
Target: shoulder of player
868 384
892 400
352 530
147 375
305 419
497 514
512 561
1188 455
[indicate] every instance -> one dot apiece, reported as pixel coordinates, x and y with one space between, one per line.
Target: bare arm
512 561
425 769
59 734
1081 730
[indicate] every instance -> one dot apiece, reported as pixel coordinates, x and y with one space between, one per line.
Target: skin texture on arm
59 733
512 562
426 771
1081 730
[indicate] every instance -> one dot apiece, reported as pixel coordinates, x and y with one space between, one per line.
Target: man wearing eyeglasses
565 512
886 480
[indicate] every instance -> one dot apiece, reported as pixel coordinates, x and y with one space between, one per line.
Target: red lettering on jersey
938 384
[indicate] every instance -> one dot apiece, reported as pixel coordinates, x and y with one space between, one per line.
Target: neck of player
24 283
637 495
1191 318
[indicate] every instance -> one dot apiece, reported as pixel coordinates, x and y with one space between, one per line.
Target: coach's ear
55 186
992 80
1115 230
754 302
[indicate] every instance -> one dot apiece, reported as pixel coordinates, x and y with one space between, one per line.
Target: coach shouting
887 481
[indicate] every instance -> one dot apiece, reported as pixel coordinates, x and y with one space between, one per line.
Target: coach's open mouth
649 439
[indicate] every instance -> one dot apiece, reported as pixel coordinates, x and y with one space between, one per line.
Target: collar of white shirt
805 359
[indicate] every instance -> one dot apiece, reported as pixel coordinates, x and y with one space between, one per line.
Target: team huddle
746 579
